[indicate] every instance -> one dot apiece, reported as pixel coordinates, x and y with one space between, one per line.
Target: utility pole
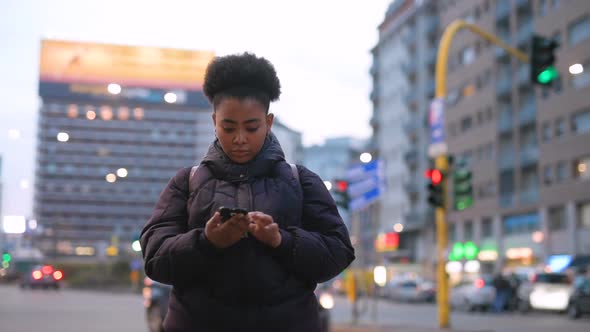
440 153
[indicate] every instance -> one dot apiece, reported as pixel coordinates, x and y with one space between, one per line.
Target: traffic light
341 193
6 258
462 188
542 58
435 187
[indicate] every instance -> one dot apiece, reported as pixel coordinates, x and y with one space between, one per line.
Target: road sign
436 119
366 184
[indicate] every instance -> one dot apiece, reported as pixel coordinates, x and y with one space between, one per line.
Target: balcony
527 114
430 88
529 196
525 32
411 127
529 155
505 123
373 95
506 199
432 25
503 85
431 56
409 69
411 187
411 99
502 10
523 75
506 159
411 157
409 39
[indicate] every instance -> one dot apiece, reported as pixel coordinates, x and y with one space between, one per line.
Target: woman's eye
229 130
252 130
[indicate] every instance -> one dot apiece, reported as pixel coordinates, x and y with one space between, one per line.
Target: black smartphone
227 212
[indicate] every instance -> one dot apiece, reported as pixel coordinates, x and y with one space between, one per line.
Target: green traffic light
471 250
547 75
6 257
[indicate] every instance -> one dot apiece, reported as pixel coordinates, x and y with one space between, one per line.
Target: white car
546 291
473 294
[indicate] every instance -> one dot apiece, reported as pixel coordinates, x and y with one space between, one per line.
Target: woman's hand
226 234
263 228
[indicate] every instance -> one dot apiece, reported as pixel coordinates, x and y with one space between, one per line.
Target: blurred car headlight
327 301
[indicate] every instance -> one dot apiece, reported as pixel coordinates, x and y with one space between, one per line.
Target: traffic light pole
441 161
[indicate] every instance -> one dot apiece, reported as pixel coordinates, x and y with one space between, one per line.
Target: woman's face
241 126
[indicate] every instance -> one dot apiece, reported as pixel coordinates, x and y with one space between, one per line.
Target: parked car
42 276
412 290
156 296
473 294
579 303
545 291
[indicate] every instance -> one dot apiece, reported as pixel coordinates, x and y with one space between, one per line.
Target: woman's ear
269 121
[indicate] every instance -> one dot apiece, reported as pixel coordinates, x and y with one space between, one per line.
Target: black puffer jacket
248 286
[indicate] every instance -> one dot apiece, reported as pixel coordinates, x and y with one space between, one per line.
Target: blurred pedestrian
255 271
503 289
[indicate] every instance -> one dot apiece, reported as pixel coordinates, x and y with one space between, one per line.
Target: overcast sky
320 48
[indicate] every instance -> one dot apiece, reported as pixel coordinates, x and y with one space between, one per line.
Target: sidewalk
369 328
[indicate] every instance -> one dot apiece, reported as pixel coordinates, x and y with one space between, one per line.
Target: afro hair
241 76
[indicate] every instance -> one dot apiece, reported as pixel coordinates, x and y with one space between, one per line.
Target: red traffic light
434 175
341 185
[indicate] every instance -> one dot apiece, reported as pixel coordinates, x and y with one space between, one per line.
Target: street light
398 227
63 137
114 88
170 97
366 157
576 69
111 178
122 172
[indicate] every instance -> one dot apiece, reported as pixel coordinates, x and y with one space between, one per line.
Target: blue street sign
366 183
436 119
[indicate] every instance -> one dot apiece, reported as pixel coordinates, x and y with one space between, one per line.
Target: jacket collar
224 168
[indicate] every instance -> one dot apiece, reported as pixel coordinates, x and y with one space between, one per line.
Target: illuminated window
138 113
106 113
72 111
123 113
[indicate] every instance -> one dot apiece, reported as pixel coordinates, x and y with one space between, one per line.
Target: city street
412 316
69 311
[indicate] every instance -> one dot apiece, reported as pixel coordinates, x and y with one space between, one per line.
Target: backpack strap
191 182
295 171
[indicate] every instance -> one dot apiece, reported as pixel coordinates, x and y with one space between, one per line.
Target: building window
543 7
582 168
555 4
561 171
468 230
487 228
547 174
466 123
556 218
467 56
452 237
581 122
584 215
579 30
559 127
489 114
546 128
582 80
520 224
479 118
490 151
